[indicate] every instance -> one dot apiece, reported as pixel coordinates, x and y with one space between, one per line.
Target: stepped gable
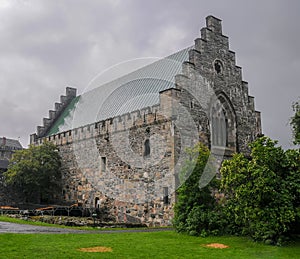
59 108
212 58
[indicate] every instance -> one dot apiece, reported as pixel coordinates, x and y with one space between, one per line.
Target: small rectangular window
103 164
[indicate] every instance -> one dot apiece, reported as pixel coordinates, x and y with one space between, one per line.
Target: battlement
138 118
145 116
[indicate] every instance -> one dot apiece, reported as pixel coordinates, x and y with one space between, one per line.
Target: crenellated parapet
137 118
54 114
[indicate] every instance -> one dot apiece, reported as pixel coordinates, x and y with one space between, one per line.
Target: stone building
7 148
123 143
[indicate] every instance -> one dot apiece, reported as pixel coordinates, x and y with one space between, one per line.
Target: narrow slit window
192 104
147 148
103 164
166 195
97 203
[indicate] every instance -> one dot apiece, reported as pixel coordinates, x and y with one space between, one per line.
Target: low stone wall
78 221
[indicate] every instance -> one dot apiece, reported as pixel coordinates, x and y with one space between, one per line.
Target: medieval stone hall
123 143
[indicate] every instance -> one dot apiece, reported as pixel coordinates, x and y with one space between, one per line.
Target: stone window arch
219 126
223 123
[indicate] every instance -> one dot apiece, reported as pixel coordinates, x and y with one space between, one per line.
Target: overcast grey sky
48 45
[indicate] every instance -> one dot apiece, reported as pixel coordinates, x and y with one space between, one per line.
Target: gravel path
6 227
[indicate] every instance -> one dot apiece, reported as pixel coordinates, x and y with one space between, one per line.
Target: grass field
166 244
137 245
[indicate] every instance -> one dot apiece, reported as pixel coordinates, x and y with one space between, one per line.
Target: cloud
48 45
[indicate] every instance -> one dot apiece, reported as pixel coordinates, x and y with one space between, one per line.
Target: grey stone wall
130 184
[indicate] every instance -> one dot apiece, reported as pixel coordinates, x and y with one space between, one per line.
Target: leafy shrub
196 210
262 193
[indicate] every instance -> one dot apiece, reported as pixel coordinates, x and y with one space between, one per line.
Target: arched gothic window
223 125
219 126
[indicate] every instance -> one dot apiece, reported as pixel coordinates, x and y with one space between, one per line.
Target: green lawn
137 245
166 244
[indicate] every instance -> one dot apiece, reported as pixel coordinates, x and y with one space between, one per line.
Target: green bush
196 209
262 192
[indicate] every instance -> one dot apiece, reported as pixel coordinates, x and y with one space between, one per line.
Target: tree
196 210
35 172
295 122
263 192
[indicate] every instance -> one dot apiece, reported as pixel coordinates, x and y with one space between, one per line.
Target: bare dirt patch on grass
216 245
96 249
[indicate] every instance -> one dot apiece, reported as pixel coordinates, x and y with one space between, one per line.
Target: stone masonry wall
129 183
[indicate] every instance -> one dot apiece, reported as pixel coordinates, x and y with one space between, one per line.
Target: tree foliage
260 194
295 122
263 192
195 210
35 172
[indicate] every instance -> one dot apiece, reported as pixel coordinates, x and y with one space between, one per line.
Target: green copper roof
65 114
134 91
